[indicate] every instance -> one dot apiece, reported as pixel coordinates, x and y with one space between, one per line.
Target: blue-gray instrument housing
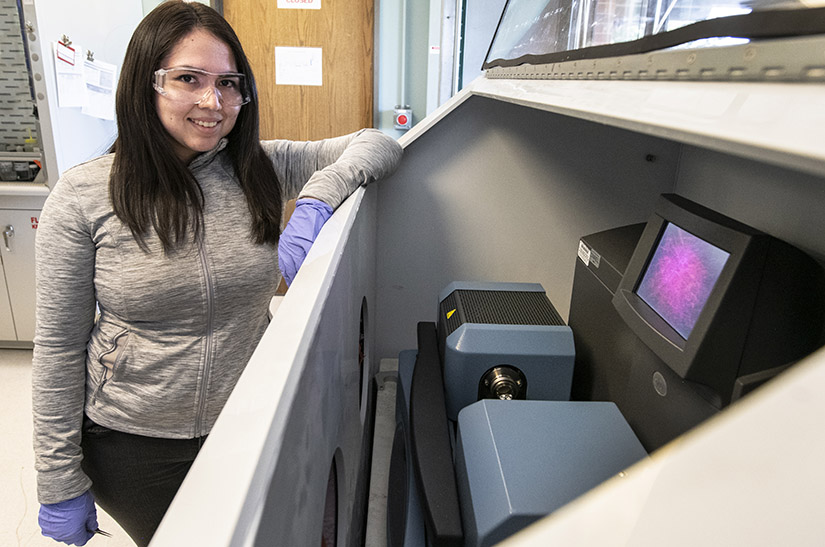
518 461
545 353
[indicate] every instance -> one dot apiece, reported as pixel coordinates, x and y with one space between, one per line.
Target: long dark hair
149 185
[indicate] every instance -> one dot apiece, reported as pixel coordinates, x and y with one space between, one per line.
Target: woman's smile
205 124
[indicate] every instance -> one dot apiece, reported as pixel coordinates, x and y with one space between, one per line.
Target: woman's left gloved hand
300 232
72 521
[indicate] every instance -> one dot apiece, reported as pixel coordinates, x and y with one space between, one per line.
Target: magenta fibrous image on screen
680 277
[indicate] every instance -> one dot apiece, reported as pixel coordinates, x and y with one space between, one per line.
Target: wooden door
343 29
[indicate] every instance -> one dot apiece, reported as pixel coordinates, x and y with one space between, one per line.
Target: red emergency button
402 117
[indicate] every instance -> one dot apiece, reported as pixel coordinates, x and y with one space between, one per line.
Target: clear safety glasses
192 85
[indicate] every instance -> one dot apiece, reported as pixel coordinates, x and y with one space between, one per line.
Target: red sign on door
34 223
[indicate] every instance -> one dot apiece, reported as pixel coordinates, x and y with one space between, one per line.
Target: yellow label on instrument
450 313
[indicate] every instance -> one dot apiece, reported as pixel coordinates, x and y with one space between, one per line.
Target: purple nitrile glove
72 521
300 232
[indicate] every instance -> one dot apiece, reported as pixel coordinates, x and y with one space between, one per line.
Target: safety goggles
193 86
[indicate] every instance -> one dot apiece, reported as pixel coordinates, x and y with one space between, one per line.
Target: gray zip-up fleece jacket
174 332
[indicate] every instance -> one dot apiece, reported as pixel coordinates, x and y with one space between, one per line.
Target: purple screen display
680 277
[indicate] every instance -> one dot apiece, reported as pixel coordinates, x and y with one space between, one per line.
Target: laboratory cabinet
20 206
19 228
6 319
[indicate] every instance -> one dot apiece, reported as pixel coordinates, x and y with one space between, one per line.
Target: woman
172 237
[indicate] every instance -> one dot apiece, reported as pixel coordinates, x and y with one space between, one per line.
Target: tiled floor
18 503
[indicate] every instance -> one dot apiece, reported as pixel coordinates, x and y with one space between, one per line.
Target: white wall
149 5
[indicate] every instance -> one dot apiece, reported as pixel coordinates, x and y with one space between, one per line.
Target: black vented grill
497 308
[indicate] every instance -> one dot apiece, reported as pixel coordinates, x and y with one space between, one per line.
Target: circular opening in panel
362 352
329 534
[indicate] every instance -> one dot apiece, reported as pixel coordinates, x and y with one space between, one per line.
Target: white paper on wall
81 83
101 82
71 87
298 66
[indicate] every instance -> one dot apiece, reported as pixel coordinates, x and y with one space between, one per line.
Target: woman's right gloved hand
72 521
306 221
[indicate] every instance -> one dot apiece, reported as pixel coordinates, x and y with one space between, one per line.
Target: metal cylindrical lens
502 382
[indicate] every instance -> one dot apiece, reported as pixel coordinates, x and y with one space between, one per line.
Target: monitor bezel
718 230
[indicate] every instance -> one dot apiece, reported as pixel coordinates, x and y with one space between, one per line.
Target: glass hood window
541 27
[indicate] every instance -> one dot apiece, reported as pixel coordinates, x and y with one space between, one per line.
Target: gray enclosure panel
499 192
786 204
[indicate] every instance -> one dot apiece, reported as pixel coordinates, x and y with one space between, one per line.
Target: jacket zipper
207 365
108 372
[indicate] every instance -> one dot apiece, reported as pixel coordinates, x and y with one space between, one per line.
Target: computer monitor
722 304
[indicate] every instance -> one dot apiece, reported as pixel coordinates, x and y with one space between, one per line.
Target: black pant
134 477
